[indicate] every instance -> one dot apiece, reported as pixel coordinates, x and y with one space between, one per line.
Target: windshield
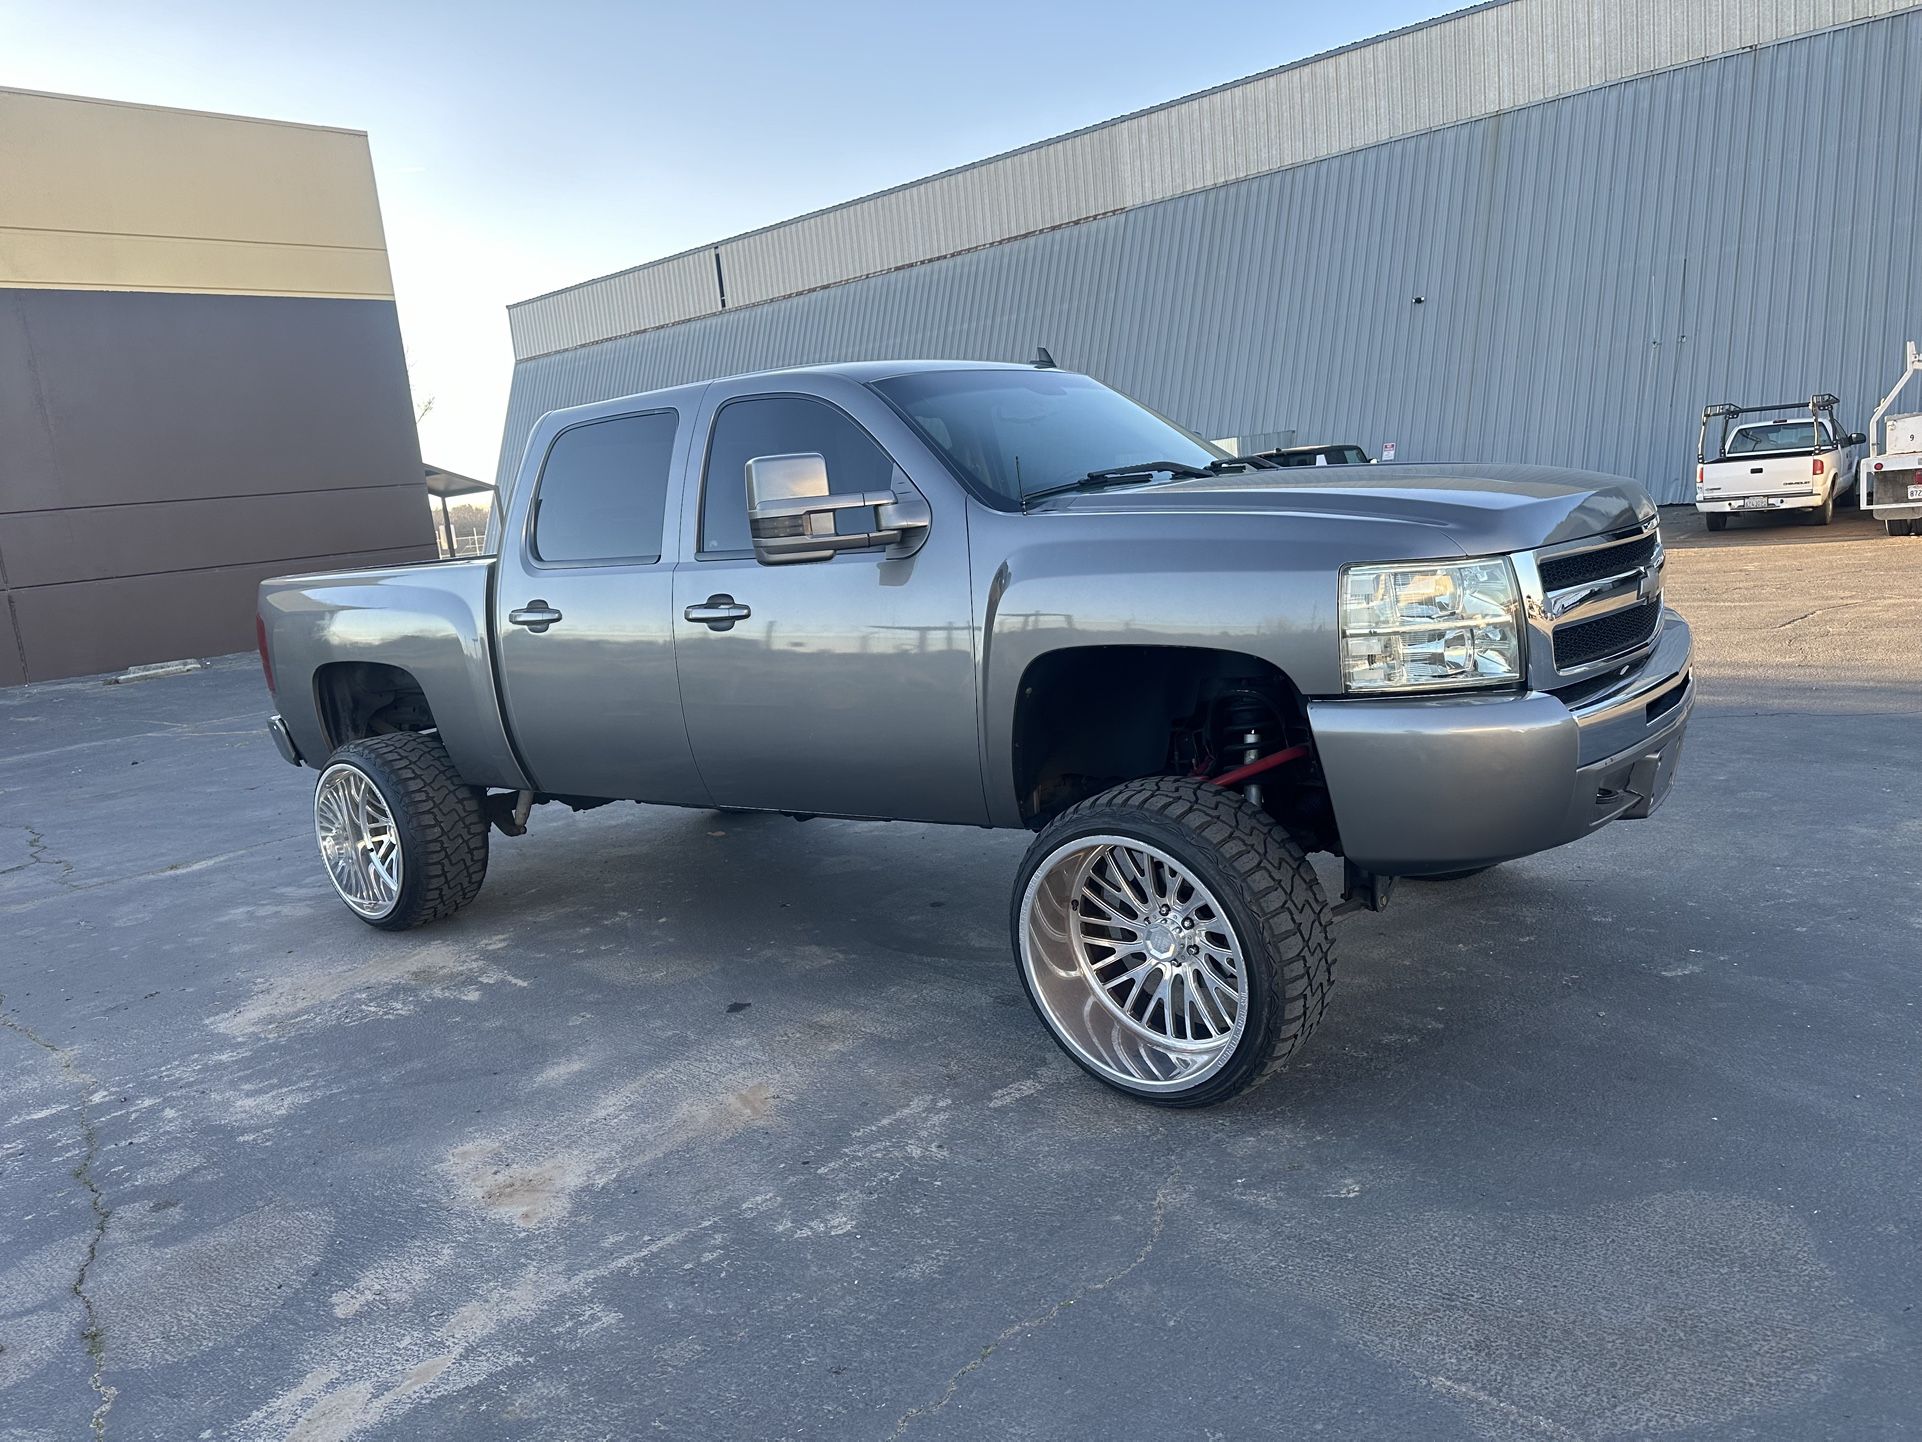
1758 440
1015 432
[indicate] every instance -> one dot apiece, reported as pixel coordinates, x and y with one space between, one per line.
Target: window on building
780 426
603 490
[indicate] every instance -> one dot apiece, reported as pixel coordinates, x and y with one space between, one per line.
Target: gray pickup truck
1007 596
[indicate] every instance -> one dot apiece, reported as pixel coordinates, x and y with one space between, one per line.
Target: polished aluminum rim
1133 963
358 840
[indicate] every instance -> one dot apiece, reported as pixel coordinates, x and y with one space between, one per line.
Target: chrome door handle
719 612
537 616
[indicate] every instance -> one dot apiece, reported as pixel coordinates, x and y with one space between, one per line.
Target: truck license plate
1752 503
1915 493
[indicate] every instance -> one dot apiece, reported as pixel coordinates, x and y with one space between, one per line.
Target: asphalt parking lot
728 1127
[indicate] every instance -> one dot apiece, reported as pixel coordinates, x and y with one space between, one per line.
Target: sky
523 147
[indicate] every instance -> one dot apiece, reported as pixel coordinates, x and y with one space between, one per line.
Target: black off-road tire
439 818
1270 893
1716 520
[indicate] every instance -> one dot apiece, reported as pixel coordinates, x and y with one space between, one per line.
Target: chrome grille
1591 604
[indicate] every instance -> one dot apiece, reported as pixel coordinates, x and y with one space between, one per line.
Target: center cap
1160 941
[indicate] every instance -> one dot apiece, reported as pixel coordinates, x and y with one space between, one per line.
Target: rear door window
602 494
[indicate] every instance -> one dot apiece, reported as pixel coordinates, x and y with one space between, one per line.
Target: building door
1670 414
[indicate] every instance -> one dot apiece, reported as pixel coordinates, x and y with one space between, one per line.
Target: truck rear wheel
1820 515
404 840
1174 940
1717 520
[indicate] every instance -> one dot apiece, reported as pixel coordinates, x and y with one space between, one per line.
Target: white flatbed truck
1891 473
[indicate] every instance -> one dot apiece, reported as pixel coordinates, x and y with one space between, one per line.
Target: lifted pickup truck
1005 596
1784 463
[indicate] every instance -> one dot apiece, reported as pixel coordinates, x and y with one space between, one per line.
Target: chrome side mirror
792 515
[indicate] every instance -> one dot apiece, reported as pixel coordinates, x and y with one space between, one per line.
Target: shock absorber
1245 727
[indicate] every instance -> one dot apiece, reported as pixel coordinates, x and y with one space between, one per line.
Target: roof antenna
1042 360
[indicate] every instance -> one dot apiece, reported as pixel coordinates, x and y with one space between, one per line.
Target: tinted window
1016 431
779 426
603 490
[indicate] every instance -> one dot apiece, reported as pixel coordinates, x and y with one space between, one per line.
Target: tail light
1698 474
260 640
1818 466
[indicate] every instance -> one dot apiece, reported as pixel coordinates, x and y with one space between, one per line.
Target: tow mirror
792 515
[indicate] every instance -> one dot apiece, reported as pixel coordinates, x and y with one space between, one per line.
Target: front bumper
1437 785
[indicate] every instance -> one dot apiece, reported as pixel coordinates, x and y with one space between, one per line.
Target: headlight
1430 626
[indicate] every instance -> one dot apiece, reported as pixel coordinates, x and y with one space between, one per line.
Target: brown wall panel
26 445
161 454
12 673
150 397
45 548
86 627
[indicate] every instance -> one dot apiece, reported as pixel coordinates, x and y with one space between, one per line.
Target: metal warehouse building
201 379
1541 230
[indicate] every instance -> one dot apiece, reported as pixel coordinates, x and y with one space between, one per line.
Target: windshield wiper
1094 480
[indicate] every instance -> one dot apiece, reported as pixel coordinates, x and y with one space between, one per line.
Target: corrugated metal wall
665 291
1476 62
1593 270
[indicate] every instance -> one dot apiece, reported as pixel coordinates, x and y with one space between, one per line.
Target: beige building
201 378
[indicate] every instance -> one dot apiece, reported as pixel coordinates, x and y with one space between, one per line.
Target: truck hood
1483 509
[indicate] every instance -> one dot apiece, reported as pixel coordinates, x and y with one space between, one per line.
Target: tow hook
1362 891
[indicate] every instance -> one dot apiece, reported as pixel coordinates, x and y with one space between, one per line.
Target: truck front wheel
1174 940
404 840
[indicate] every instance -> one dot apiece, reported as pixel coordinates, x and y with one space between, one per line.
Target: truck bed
430 619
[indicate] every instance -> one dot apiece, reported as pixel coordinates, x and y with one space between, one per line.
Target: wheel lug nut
1187 923
1164 910
1193 950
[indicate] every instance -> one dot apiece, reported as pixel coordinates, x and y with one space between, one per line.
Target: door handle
719 612
537 616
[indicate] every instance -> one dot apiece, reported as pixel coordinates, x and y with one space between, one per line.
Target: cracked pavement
723 1127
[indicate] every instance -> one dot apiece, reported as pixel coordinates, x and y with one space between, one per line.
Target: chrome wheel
358 841
1134 963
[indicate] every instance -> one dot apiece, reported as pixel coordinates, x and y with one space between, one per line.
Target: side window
776 426
602 494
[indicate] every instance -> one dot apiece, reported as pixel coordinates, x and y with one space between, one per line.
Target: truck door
844 686
582 600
